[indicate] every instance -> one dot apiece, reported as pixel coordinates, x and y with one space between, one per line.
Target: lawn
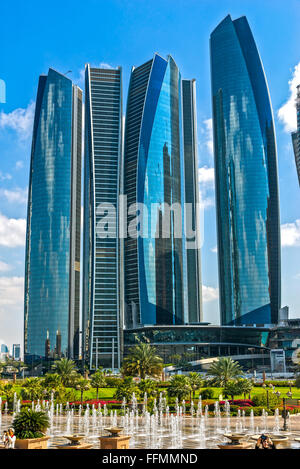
108 393
258 390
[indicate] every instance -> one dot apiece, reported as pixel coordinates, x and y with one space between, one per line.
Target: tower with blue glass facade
52 268
296 135
155 266
247 199
101 252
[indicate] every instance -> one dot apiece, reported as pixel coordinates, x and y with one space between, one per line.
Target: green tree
297 381
233 388
30 424
98 381
149 386
195 381
126 389
246 386
66 369
179 387
142 361
32 389
9 391
52 380
223 370
82 384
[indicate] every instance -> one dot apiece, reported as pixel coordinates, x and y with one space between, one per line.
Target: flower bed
240 402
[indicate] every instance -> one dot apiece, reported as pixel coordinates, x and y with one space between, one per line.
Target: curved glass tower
245 177
52 269
103 138
296 135
155 260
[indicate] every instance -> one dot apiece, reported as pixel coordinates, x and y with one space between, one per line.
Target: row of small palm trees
143 362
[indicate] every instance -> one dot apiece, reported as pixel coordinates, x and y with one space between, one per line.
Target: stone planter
33 443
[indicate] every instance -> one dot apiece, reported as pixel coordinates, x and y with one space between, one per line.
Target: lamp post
284 411
267 391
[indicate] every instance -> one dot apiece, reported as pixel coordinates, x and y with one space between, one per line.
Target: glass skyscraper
52 268
193 257
246 181
101 293
296 135
155 266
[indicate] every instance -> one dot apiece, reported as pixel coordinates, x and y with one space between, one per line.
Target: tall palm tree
142 361
82 385
195 381
66 369
98 381
223 370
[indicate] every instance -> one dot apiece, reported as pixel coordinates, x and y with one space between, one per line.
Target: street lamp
284 412
267 391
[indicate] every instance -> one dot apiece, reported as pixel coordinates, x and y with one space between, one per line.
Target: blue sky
67 34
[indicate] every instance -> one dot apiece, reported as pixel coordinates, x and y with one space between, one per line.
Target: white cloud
11 291
20 120
20 164
214 249
17 196
12 231
209 294
11 309
4 177
287 113
206 178
4 267
209 135
290 234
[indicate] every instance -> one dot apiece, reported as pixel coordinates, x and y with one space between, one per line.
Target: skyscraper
296 135
189 120
103 138
154 184
52 268
246 181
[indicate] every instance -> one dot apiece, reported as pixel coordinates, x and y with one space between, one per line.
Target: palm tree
98 381
223 370
126 389
66 369
31 424
195 381
142 361
233 388
179 387
148 386
246 386
82 385
32 389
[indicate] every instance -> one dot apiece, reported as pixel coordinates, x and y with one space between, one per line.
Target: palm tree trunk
97 393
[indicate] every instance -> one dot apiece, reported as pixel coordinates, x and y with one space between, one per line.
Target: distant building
16 352
296 135
52 267
246 180
4 352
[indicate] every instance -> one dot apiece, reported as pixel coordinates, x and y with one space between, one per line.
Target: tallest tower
247 199
52 268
